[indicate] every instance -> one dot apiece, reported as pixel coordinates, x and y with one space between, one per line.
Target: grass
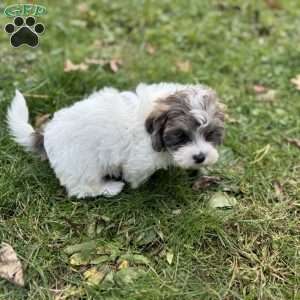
249 252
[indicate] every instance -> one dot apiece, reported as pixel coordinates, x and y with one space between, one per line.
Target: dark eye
215 136
176 138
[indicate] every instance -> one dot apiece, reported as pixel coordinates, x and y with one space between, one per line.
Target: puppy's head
189 124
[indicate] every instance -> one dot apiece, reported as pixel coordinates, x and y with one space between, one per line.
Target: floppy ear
155 124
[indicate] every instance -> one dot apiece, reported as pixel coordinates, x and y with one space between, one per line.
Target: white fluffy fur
17 119
184 156
105 135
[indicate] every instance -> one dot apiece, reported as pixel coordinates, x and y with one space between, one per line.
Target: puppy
127 135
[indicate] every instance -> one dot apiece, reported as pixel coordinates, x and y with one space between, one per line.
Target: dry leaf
94 276
169 257
136 259
269 96
115 64
83 7
259 89
296 82
94 61
222 200
99 259
70 66
41 120
124 264
10 265
229 119
127 276
204 182
184 66
68 292
86 246
295 142
273 4
150 49
79 259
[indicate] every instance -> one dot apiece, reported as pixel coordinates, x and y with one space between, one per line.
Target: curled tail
19 127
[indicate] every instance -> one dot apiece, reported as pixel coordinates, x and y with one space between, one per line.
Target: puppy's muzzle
199 158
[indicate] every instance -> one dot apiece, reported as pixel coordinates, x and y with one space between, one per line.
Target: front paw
112 188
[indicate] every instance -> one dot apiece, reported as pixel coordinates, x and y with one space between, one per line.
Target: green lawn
188 250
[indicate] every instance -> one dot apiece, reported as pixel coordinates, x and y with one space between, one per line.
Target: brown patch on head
170 122
214 133
179 118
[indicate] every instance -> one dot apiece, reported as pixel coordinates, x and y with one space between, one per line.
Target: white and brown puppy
127 135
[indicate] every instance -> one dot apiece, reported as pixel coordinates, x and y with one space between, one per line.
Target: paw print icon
24 32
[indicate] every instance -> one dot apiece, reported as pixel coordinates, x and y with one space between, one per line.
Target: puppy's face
189 125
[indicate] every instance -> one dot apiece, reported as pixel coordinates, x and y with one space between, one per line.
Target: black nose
199 158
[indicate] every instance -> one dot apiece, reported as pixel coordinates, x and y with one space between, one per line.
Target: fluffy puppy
126 135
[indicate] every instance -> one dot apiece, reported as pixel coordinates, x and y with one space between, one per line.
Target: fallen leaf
259 89
80 247
10 265
124 264
69 292
184 66
268 96
94 61
229 119
83 7
295 142
79 259
127 276
169 257
99 259
150 49
135 259
93 276
221 200
273 4
107 250
41 120
108 281
115 64
204 182
70 66
296 82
